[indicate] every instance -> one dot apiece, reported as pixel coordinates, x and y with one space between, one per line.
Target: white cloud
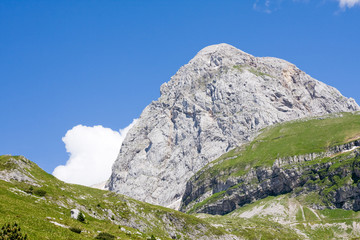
93 151
267 6
348 3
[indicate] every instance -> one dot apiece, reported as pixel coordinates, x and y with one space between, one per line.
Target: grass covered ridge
293 138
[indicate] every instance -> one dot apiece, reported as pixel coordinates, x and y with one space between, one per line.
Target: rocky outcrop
217 101
285 176
74 213
16 169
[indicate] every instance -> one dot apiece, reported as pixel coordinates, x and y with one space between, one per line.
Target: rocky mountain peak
217 101
220 55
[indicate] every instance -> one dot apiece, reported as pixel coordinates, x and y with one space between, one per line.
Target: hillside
41 205
314 158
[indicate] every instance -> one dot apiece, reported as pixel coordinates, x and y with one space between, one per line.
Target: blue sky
65 63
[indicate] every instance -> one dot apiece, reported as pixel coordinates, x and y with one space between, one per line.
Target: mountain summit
218 101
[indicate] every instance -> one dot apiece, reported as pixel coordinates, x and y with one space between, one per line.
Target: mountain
215 103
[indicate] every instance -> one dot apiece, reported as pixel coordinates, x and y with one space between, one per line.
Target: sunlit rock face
217 101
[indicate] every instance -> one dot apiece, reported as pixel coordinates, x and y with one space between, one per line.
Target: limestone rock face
217 101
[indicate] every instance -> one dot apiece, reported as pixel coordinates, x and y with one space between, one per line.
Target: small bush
12 232
75 230
40 192
81 217
105 236
30 190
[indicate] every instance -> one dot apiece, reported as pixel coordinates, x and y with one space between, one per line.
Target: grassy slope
34 213
289 139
